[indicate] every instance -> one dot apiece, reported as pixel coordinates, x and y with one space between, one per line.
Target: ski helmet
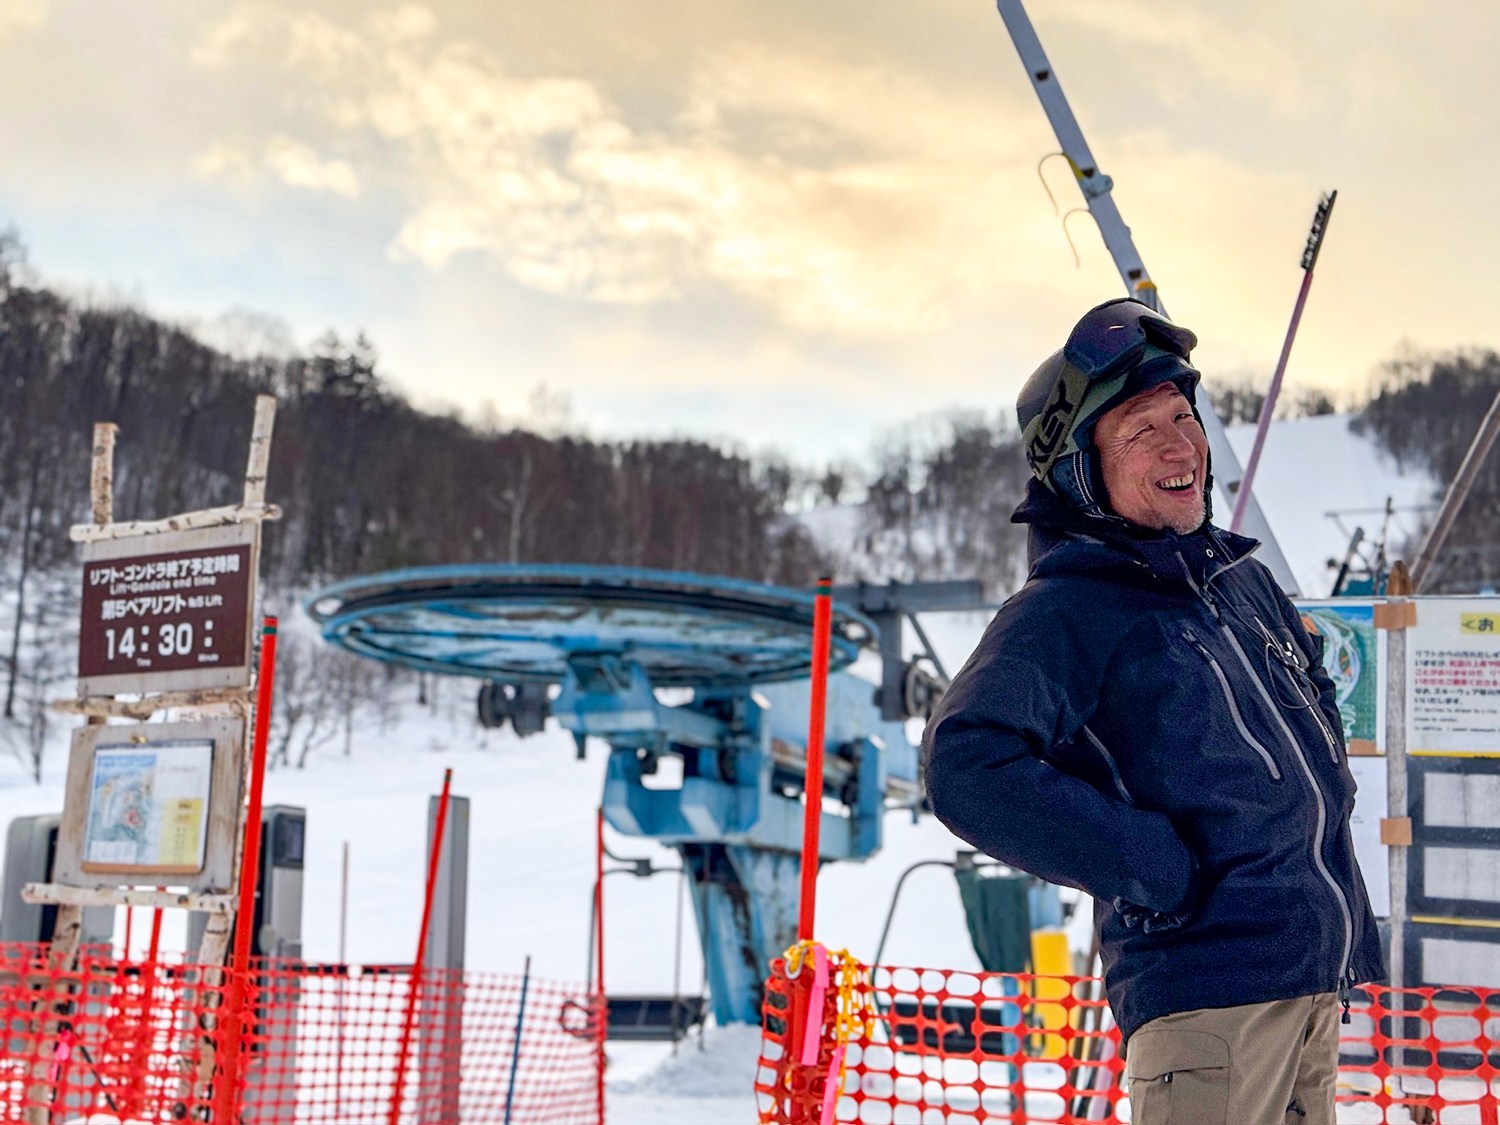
1116 351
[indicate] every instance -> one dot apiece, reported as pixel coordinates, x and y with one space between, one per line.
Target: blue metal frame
611 636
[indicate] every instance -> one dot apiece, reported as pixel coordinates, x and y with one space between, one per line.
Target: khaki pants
1258 1064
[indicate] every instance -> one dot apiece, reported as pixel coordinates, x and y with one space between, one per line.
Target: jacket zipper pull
1344 998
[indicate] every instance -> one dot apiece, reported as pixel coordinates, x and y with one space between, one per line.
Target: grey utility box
30 849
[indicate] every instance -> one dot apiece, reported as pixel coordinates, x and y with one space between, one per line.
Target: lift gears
525 706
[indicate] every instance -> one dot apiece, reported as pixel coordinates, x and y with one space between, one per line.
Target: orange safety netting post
601 998
809 1060
227 1085
812 814
403 1052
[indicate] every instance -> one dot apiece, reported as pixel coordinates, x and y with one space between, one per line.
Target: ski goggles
1114 337
1119 349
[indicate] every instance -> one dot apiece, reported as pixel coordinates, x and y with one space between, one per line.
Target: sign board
152 803
168 612
148 807
1354 658
1453 678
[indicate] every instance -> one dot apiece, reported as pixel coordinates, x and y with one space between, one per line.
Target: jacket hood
1064 538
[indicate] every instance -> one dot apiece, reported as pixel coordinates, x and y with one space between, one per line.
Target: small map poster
1453 677
1354 658
148 807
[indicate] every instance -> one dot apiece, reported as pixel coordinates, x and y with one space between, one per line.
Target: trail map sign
152 803
148 807
1354 657
167 612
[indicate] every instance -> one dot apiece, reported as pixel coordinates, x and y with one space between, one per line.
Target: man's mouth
1177 484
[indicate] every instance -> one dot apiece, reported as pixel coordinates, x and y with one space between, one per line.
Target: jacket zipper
1109 760
1318 836
1234 709
1295 667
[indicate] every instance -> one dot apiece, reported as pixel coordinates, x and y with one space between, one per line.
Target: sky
786 226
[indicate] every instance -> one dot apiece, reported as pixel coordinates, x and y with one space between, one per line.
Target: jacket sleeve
990 782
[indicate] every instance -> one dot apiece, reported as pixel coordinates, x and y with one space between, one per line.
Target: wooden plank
1396 615
1395 831
260 452
55 894
105 706
102 477
185 521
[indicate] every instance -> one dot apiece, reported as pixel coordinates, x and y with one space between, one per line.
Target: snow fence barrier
136 1041
912 1046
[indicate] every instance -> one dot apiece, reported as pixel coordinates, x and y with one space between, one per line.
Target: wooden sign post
166 618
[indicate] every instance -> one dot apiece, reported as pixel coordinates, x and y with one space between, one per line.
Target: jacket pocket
1178 1078
1234 708
1299 672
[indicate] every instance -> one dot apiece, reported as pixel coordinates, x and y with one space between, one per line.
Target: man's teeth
1176 483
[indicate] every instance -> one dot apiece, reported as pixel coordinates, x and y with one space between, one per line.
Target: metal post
403 1052
1453 500
515 1050
443 1002
1397 801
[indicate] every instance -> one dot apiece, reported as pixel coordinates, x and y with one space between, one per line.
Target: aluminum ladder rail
1096 189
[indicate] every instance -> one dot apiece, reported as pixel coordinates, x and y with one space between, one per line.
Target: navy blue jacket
1148 719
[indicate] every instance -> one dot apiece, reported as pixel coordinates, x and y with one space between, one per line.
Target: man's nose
1179 446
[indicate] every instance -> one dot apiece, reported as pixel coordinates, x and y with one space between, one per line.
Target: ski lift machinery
596 647
1097 188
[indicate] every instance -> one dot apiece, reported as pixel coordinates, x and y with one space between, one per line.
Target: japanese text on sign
1453 678
178 618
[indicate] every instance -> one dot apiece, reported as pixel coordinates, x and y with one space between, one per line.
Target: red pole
404 1052
812 815
600 997
226 1090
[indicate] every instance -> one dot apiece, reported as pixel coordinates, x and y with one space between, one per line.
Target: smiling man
1148 720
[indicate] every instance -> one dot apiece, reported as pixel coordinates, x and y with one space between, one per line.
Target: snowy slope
1318 480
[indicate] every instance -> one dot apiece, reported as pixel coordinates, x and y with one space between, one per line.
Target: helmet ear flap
1078 478
1208 464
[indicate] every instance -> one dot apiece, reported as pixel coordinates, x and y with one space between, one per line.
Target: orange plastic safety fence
955 1048
116 1040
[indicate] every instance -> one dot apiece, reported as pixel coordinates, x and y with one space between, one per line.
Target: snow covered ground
1318 480
532 825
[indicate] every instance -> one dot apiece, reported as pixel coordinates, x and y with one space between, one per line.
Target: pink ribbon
812 1036
831 1086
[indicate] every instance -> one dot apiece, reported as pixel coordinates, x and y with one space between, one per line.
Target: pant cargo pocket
1178 1078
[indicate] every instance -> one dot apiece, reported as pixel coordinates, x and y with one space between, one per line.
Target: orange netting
937 1047
131 1041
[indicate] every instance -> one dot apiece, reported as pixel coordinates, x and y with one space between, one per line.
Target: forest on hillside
368 482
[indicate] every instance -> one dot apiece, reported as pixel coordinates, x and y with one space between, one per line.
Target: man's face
1155 459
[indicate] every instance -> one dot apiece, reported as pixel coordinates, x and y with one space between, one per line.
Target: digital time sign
167 612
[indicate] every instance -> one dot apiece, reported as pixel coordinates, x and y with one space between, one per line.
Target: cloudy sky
786 224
